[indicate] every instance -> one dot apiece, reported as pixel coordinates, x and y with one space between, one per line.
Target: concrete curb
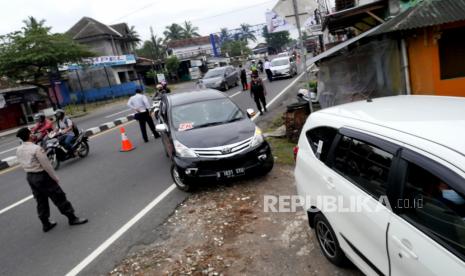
13 161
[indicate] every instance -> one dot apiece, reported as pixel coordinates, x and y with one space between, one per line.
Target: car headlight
257 138
183 151
218 83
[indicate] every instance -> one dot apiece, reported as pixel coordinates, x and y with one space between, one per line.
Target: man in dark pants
140 104
243 75
257 91
43 182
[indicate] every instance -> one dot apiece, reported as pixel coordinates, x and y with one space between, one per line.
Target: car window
439 208
320 140
279 62
365 165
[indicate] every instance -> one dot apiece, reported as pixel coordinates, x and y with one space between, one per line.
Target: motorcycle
56 153
304 95
156 99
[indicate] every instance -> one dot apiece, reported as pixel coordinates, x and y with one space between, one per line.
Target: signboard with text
102 61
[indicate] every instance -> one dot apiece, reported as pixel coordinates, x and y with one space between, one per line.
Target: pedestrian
243 75
140 104
43 182
269 74
258 92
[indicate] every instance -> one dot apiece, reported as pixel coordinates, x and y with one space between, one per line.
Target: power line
233 11
135 11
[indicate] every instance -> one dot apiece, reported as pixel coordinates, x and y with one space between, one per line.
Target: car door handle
329 182
406 248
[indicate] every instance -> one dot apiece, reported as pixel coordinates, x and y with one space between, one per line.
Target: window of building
122 77
439 208
132 75
452 53
320 140
365 165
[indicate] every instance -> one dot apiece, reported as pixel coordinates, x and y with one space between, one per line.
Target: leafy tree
173 32
246 34
189 31
236 48
276 40
225 36
172 65
27 56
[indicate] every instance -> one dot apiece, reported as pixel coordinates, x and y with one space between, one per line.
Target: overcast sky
208 15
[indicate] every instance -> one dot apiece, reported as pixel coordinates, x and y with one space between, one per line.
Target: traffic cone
126 144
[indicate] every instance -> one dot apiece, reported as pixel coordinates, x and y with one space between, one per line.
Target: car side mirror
250 112
161 128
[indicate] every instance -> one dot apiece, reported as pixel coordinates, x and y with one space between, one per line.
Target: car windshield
214 73
206 113
279 62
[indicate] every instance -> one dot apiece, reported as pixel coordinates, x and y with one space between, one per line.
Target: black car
208 137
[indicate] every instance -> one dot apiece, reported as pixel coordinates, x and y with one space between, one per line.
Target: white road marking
114 114
237 93
15 204
5 151
92 256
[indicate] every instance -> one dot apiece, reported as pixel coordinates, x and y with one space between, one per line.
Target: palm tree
173 32
159 48
246 33
132 33
33 25
189 31
225 36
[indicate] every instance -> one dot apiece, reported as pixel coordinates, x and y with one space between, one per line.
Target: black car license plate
231 173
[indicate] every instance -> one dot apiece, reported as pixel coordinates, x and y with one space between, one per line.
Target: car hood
216 136
281 67
212 80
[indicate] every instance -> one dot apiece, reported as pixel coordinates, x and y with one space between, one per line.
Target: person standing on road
269 74
140 104
43 182
243 75
258 92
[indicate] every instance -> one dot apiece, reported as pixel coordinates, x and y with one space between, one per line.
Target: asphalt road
109 188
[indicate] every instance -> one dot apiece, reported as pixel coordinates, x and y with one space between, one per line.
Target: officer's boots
47 225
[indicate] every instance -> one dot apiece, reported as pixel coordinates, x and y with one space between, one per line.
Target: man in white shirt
141 105
269 74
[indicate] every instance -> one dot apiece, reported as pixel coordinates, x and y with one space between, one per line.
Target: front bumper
281 73
213 85
192 170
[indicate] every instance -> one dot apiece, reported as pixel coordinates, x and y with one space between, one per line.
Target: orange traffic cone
126 144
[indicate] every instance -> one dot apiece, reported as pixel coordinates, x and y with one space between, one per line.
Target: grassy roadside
282 149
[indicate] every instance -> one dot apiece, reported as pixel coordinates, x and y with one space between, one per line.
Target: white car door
427 237
361 178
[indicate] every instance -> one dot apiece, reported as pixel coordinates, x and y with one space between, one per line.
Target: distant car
221 78
208 137
283 54
283 67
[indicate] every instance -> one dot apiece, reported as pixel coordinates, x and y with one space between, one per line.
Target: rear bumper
197 170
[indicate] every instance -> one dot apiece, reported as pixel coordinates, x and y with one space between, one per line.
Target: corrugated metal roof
424 14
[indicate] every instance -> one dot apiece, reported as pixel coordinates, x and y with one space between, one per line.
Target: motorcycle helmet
39 117
60 114
159 87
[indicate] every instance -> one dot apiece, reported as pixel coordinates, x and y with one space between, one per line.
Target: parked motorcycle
304 95
56 153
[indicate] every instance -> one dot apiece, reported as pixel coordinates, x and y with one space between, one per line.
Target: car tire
178 181
226 87
328 242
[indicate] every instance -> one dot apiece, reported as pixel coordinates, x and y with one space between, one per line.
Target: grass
276 123
283 150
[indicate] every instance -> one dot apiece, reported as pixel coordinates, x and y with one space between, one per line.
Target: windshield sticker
185 126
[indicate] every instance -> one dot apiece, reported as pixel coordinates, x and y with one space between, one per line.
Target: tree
225 36
29 55
173 32
276 40
189 31
172 65
246 33
134 35
235 48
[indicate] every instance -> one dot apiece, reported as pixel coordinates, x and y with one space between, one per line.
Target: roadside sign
161 77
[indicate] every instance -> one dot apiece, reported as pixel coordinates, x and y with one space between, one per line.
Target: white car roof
435 118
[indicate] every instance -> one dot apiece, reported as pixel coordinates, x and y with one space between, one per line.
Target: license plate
231 173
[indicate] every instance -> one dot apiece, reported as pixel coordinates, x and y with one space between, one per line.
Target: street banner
276 23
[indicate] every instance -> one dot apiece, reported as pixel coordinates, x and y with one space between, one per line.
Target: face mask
453 197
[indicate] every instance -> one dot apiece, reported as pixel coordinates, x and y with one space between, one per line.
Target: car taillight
296 150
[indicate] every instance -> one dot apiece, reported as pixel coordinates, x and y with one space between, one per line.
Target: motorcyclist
65 127
42 127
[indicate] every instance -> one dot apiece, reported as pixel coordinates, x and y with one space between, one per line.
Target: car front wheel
328 241
178 180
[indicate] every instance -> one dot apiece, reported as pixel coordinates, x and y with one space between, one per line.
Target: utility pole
302 49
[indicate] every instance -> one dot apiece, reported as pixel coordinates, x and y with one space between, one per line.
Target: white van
404 158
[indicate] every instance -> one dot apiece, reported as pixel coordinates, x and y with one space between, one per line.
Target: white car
404 156
283 67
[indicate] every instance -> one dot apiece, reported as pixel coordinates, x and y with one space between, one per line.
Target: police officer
43 182
140 104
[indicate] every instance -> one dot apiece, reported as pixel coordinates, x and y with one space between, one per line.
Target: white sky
208 15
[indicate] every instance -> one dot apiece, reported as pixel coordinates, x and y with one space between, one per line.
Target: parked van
403 157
